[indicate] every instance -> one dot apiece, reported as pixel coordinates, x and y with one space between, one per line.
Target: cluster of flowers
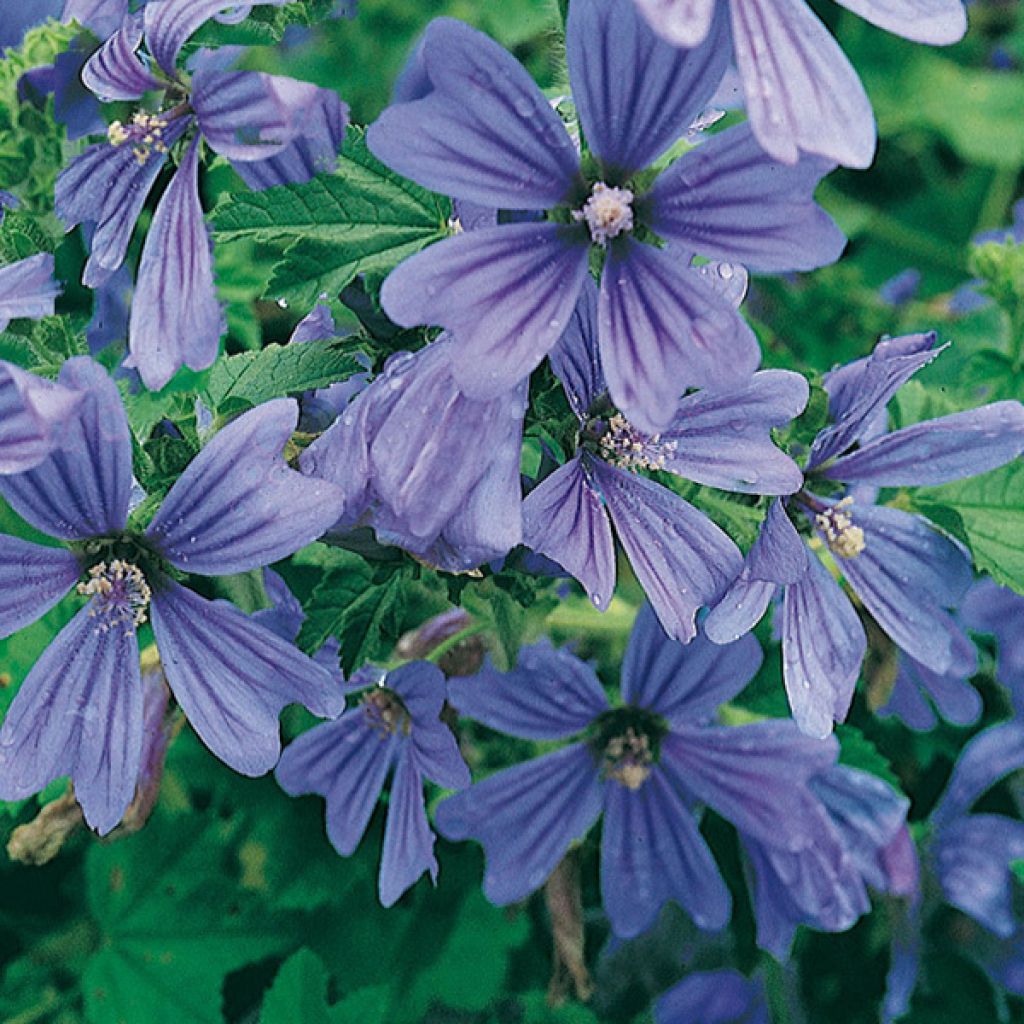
575 241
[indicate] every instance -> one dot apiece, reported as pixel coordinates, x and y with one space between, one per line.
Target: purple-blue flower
431 470
802 94
237 506
481 130
906 573
723 439
395 728
271 129
713 997
646 764
990 608
33 412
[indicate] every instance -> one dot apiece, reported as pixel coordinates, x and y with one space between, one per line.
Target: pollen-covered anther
624 446
608 212
628 759
120 595
145 133
843 537
385 713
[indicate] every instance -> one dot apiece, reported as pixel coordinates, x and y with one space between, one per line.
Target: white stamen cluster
145 133
120 595
624 446
608 212
836 525
628 759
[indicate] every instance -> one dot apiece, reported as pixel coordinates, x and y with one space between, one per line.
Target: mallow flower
904 570
395 728
237 506
481 130
990 608
723 439
432 470
271 129
646 764
802 94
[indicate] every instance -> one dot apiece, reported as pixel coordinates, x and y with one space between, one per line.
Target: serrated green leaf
361 219
247 379
857 751
987 512
299 992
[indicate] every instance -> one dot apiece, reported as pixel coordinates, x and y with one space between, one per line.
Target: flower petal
484 132
934 452
114 71
937 22
78 713
801 91
32 580
525 818
33 412
723 439
27 289
549 695
683 683
985 759
563 518
408 841
713 997
238 506
651 852
823 646
176 318
663 330
635 93
232 676
506 293
681 22
728 199
575 360
83 488
680 557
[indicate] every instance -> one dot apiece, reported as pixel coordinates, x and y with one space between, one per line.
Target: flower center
836 525
628 758
608 212
624 446
120 595
384 712
144 134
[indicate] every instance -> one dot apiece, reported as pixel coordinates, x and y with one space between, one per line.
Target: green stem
454 640
997 199
49 1002
583 617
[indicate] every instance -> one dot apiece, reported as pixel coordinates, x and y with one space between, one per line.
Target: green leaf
857 751
363 219
987 513
299 992
536 1010
173 923
245 380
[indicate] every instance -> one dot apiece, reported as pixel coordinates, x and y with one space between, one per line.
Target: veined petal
713 997
728 199
663 330
78 713
683 683
934 452
114 71
345 762
801 91
681 22
823 646
723 439
525 818
83 487
32 580
575 360
232 676
408 842
27 289
563 518
739 610
175 318
937 22
651 852
635 93
506 293
101 17
549 695
484 132
33 412
170 23
680 557
238 505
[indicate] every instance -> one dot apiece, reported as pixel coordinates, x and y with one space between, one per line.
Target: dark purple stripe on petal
408 842
32 580
114 71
